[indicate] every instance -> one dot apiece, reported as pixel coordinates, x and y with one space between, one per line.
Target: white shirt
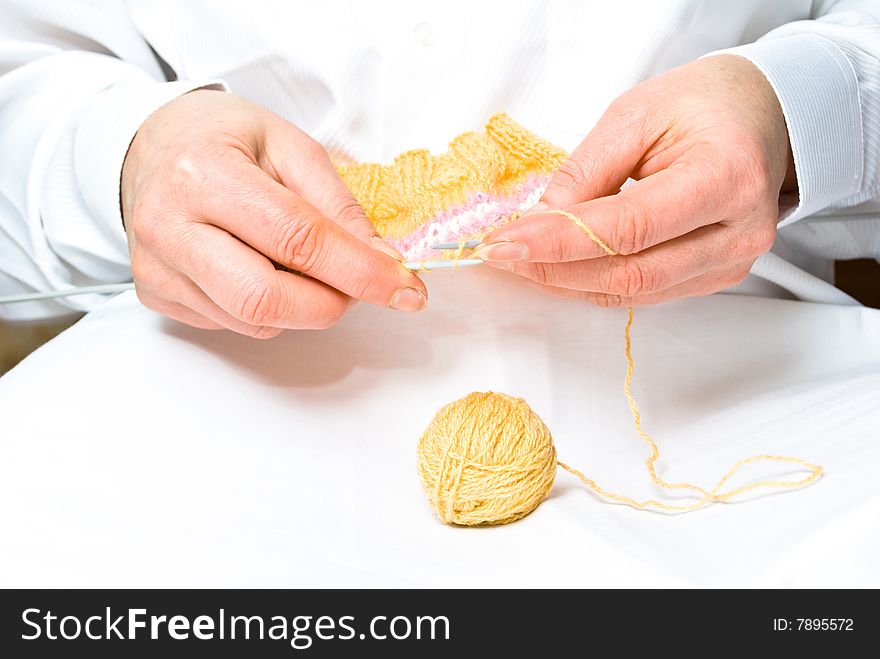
368 80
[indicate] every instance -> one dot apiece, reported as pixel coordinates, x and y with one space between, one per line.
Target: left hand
708 148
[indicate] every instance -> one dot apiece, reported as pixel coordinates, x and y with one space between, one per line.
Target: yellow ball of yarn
486 459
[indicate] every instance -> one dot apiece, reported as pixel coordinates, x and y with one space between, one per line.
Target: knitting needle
442 264
446 263
47 295
470 244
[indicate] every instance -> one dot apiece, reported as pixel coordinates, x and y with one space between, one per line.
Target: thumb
603 161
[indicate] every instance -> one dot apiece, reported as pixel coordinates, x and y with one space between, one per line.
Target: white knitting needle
470 244
66 292
443 264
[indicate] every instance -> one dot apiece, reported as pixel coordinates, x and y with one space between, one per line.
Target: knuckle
608 300
628 279
631 113
756 242
631 230
312 151
538 271
560 247
299 242
571 176
347 209
362 286
628 108
736 276
182 176
259 304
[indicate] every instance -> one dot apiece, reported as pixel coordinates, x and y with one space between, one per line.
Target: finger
190 295
175 311
710 282
304 167
182 293
172 293
332 198
658 208
245 285
326 191
655 269
162 286
606 157
286 228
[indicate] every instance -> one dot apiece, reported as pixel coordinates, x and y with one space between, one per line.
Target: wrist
760 105
818 92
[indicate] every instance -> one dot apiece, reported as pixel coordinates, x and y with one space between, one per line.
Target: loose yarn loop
489 459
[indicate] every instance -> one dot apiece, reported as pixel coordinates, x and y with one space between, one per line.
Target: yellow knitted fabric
400 197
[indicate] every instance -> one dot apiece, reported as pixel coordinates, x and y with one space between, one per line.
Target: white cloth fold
139 452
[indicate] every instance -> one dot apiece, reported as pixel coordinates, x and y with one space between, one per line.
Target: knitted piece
478 183
481 213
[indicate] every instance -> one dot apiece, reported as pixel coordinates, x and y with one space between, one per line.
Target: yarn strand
706 496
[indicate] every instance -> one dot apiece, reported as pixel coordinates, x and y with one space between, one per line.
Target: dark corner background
861 279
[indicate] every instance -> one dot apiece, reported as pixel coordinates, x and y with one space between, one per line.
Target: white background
138 452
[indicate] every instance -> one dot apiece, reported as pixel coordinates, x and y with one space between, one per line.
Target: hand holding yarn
489 459
708 148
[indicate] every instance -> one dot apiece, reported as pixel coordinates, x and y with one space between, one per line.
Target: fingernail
377 243
503 251
408 299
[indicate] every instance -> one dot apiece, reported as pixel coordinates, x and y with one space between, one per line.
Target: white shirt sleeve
826 73
76 82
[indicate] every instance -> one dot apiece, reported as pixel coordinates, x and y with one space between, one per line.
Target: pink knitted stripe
481 212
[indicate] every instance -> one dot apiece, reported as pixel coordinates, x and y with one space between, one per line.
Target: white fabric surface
138 452
370 79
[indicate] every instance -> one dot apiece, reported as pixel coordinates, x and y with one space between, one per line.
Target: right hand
214 189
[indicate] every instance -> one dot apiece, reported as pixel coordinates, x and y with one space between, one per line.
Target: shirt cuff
818 90
106 128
